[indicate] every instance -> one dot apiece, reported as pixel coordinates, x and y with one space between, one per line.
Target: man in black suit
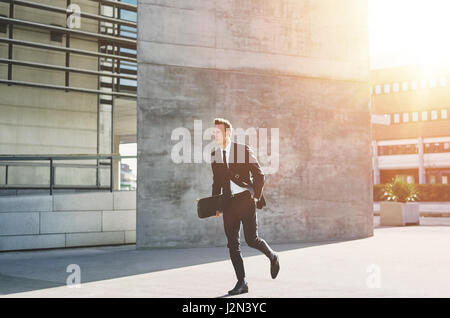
237 173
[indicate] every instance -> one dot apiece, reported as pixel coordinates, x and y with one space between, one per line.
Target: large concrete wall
297 65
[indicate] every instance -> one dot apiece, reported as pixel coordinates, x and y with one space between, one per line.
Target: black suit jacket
244 170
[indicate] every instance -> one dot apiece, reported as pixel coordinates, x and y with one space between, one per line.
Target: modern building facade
67 86
412 135
67 102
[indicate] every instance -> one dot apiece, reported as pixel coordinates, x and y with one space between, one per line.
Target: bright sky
409 32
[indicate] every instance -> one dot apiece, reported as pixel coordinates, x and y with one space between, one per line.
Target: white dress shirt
234 187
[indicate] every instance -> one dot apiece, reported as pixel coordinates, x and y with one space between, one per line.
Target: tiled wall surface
67 220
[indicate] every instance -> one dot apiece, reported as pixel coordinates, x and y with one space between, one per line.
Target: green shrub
399 190
428 192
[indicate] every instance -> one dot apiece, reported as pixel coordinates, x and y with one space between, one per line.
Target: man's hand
217 213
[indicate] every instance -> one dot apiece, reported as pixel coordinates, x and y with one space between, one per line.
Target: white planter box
399 214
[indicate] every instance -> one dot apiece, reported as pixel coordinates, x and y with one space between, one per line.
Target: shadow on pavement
33 270
12 285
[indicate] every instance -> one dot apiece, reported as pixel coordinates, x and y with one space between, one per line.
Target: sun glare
409 32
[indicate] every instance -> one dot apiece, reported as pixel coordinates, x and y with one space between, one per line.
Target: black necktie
226 185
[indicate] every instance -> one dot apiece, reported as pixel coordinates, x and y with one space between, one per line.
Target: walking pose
238 176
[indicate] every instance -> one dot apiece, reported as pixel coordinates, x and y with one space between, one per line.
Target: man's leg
232 225
250 223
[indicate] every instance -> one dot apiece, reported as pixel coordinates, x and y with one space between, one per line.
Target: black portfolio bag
207 207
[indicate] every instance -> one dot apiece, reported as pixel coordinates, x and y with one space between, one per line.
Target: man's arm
257 173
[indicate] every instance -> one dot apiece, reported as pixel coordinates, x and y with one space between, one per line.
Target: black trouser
242 208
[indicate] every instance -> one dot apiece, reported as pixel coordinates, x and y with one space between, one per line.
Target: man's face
220 134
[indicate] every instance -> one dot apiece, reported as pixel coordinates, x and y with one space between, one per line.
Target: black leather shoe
275 266
240 288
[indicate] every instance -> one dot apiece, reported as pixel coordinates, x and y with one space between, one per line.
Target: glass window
432 179
434 115
425 115
414 85
405 117
378 89
387 88
410 179
446 146
443 81
445 179
415 116
443 114
423 83
405 86
396 118
437 147
388 117
396 87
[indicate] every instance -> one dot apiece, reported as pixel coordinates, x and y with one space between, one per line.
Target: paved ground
412 261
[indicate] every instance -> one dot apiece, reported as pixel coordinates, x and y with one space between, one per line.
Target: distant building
127 177
411 135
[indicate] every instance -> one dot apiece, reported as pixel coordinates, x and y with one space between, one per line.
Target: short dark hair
225 122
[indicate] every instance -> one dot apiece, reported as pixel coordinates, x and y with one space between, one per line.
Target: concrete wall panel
25 242
24 215
69 222
26 203
19 223
124 200
83 201
130 237
118 220
92 239
307 38
299 66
